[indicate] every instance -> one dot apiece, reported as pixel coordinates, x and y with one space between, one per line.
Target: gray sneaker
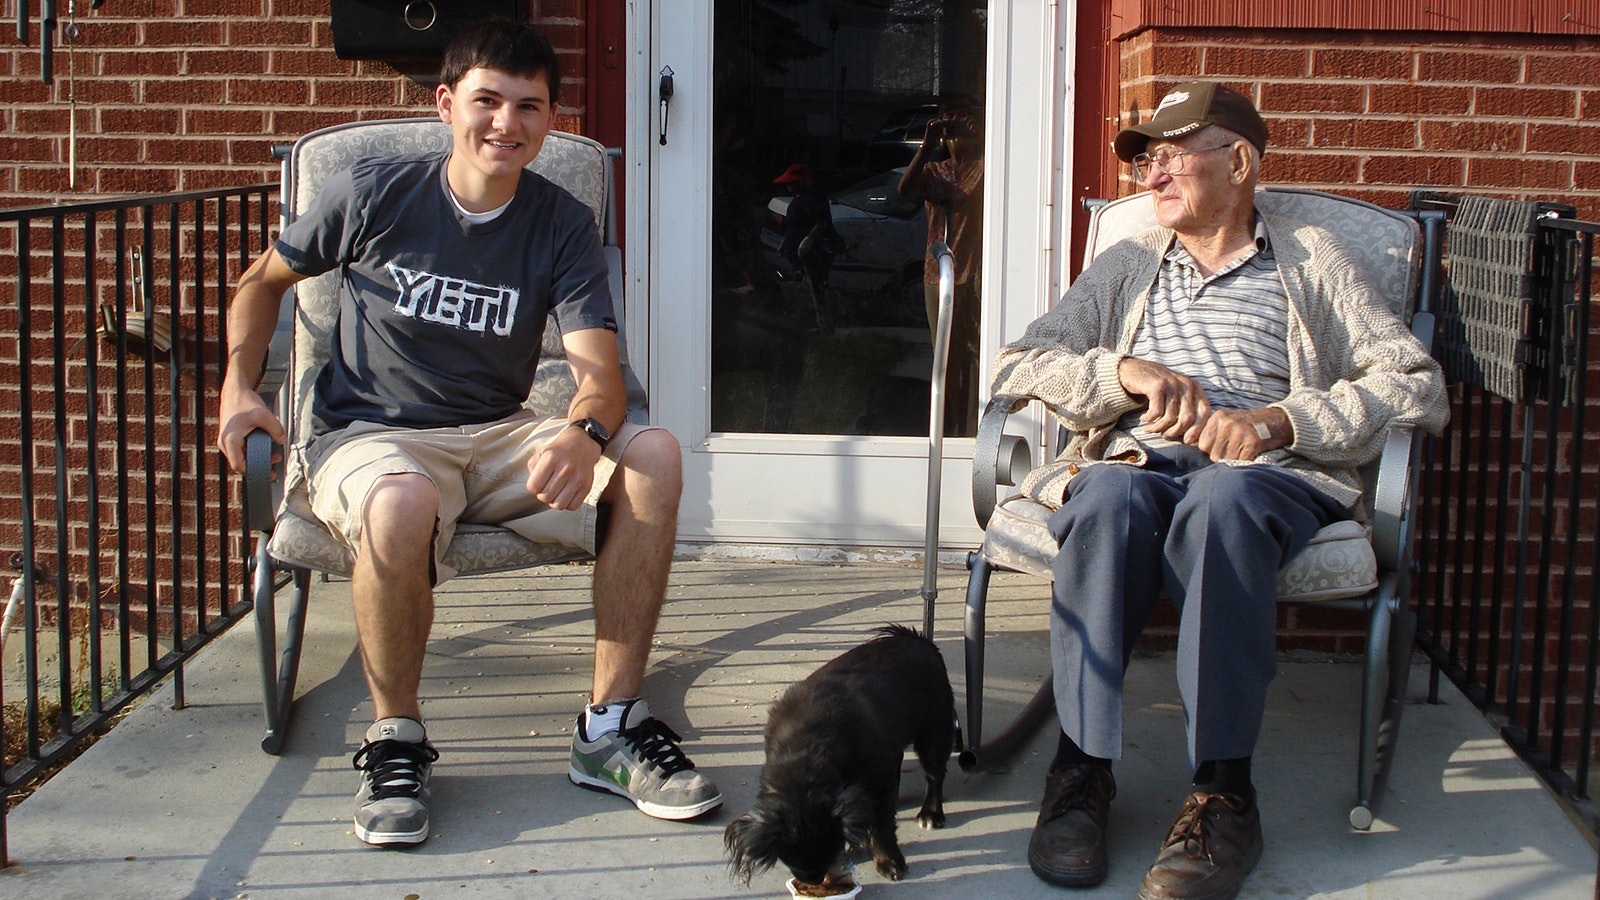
391 805
642 762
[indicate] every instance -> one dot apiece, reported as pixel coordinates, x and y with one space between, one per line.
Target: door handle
664 92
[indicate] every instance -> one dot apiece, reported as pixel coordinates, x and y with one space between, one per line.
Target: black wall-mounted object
407 29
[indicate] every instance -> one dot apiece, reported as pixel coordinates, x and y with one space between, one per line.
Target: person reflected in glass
809 240
947 173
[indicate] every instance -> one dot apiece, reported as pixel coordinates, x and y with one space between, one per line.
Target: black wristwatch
594 430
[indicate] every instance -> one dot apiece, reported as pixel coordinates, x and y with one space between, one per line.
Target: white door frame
831 491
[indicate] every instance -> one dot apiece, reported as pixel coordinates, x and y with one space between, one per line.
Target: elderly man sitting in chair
1222 377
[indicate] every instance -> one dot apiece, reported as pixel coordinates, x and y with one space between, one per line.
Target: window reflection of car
883 236
899 137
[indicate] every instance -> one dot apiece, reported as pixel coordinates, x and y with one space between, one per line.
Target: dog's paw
890 869
929 820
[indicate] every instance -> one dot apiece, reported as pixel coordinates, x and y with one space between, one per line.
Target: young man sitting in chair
420 425
1223 377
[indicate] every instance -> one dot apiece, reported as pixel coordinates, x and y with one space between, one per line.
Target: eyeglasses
1167 160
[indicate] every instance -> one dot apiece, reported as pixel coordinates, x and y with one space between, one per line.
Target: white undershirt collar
476 218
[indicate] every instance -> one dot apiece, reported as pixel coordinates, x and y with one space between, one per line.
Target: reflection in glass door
847 136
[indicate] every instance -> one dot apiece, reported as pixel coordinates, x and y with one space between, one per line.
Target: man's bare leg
392 592
393 599
636 757
630 575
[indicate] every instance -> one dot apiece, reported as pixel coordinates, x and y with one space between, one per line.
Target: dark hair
505 46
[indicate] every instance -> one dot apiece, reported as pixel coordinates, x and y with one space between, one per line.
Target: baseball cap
1189 107
796 172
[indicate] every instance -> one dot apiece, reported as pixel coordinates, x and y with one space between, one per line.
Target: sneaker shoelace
657 743
394 768
1081 790
1193 827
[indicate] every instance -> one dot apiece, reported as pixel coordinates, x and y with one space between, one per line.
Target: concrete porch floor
182 803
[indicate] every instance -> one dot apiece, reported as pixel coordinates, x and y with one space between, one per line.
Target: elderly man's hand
1244 433
1177 407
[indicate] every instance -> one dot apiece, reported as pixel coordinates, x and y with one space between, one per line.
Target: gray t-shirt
440 319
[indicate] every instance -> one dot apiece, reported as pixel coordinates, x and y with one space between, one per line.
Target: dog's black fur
835 742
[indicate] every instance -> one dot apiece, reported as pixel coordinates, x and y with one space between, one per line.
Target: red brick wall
1376 114
186 94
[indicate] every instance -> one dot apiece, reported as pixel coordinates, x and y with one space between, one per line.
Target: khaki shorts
480 471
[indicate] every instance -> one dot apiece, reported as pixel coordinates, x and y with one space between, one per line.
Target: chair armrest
275 363
261 508
1422 325
997 458
1393 498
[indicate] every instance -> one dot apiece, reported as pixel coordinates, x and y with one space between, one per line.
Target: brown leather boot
1212 846
1069 841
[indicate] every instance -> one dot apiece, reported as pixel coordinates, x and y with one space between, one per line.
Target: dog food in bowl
843 889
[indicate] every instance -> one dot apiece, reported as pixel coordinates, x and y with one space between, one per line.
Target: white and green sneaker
642 762
391 804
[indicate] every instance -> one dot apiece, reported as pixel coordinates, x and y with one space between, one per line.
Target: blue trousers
1214 536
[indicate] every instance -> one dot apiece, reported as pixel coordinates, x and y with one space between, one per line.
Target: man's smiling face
498 122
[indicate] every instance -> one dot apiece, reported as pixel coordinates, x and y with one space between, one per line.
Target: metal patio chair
290 542
1348 565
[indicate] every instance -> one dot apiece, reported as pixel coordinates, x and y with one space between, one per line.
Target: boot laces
1081 789
1193 827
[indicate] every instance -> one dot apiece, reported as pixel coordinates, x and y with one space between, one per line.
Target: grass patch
14 724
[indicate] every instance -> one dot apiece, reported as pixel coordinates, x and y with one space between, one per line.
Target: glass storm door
793 201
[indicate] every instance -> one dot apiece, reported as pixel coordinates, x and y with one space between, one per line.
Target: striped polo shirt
1229 332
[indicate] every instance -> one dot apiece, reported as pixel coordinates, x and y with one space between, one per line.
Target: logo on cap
1172 99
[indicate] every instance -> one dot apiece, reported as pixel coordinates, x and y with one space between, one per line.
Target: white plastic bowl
794 891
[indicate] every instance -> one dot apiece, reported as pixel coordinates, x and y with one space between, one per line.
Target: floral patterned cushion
299 539
1338 563
1386 243
577 164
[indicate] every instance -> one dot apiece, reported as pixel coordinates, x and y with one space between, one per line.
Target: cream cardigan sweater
1354 368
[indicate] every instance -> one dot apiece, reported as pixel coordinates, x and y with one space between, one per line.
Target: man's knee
651 468
1221 492
401 509
1104 496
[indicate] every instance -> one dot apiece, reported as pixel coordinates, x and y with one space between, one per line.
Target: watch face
596 431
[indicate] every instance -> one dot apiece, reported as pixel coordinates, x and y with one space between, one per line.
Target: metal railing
1508 601
120 525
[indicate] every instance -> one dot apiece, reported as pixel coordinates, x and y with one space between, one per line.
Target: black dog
834 745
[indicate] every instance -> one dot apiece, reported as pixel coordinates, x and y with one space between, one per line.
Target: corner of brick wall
1379 114
181 94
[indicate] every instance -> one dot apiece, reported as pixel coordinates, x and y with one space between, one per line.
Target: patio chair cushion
1387 246
300 539
1338 563
577 164
564 161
